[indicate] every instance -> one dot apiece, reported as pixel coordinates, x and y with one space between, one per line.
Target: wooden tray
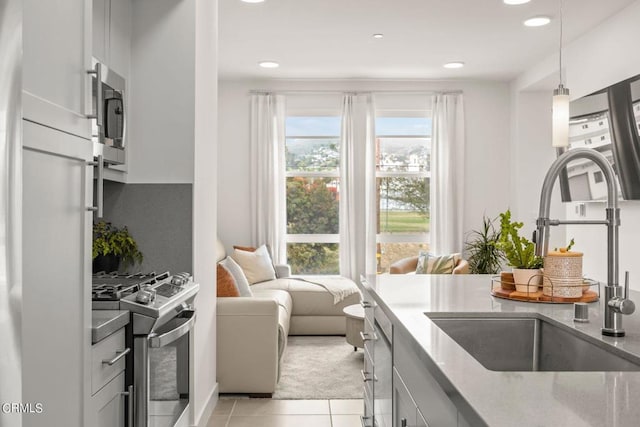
587 296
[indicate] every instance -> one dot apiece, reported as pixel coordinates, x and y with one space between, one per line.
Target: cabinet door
120 37
56 246
108 404
100 30
56 56
404 408
382 406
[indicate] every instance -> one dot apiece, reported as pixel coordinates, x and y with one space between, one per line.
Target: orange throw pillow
245 248
225 284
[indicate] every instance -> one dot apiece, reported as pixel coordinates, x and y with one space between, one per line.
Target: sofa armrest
404 266
247 344
282 270
462 267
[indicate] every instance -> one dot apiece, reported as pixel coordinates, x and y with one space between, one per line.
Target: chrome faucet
615 303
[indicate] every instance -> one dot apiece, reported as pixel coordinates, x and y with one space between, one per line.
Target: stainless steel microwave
109 104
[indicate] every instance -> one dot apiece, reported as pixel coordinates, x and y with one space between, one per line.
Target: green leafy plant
519 251
568 247
483 253
111 240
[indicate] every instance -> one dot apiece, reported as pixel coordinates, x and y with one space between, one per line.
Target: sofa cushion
238 275
225 284
309 299
432 264
257 265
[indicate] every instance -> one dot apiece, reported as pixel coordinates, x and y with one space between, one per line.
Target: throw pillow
257 266
226 286
241 281
245 248
432 264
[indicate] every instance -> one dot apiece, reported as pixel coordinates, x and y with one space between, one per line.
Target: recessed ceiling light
455 64
515 2
378 36
253 1
268 64
537 21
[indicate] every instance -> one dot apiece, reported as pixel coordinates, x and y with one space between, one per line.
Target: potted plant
520 254
484 255
113 246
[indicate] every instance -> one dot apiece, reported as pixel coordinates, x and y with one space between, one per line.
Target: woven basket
563 274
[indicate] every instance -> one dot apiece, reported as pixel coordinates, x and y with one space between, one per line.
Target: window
312 148
598 177
403 154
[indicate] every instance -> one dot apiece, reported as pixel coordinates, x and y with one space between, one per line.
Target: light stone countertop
106 322
507 399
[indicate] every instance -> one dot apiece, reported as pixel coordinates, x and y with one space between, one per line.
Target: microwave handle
97 71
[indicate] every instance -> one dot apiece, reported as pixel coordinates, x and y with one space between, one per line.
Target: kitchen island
473 395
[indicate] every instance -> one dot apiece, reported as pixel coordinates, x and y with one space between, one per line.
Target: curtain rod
357 92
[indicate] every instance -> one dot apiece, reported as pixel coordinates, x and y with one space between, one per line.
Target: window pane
312 205
312 154
403 205
393 126
313 126
313 258
388 253
403 154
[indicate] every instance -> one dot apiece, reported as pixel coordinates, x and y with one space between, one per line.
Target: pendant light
560 122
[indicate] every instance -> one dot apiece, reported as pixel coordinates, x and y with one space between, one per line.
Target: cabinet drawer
102 352
107 405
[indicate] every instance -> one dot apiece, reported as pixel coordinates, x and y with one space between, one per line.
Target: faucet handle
626 285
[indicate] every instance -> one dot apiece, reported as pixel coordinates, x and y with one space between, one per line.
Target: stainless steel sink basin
532 344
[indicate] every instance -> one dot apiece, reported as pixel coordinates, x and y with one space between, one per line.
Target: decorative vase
107 263
527 279
563 274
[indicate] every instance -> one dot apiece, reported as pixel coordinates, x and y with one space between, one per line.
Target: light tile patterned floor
286 413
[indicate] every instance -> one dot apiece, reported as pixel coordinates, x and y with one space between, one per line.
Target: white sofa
252 331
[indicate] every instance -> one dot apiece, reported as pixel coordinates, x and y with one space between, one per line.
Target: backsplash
159 217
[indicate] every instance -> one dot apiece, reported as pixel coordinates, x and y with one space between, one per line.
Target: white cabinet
56 250
112 34
56 88
107 381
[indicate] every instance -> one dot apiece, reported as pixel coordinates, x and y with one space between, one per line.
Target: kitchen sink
532 344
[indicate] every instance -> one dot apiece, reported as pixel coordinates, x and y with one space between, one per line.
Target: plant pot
107 263
527 279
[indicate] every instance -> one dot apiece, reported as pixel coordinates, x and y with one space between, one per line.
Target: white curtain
447 174
268 174
357 159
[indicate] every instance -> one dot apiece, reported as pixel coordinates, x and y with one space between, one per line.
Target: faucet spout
613 316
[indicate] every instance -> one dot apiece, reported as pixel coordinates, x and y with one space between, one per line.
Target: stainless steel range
162 319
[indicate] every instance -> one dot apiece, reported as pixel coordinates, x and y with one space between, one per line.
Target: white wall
204 208
605 55
487 114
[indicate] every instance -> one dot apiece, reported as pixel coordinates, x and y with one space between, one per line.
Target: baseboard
212 401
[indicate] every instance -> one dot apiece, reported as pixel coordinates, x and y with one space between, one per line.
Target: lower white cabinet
107 381
107 405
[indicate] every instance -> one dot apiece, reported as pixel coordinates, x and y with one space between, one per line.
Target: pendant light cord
560 69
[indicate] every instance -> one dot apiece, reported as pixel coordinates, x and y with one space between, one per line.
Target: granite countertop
106 322
505 399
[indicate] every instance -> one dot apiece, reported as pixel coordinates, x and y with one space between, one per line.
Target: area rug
320 367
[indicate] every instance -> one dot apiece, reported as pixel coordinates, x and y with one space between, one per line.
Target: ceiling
332 39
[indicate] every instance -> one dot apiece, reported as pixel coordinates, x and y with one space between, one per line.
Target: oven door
168 358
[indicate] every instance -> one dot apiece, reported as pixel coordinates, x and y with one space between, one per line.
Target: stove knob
145 296
180 279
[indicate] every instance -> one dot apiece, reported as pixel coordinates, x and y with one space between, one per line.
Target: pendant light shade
560 118
560 121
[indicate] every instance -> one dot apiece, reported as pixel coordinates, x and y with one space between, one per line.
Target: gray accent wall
159 217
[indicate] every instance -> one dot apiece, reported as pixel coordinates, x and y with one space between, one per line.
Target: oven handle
156 341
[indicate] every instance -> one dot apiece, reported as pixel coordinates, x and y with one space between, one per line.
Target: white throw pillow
238 275
257 266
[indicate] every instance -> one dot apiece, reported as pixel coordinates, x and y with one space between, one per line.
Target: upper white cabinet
112 34
56 56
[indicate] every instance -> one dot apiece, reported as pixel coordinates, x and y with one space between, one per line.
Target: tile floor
286 413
